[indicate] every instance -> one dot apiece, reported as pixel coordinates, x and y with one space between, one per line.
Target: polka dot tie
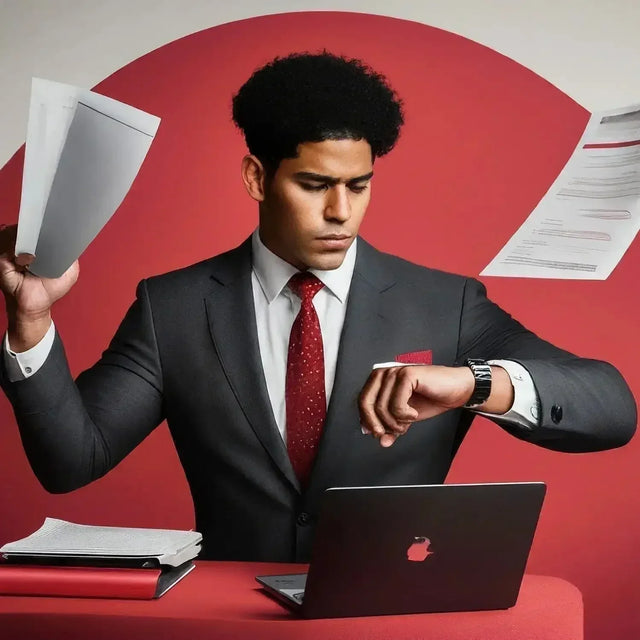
304 392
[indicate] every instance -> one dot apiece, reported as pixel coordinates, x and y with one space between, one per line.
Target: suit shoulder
413 273
191 274
197 278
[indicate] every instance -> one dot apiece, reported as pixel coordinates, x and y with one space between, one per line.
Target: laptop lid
417 549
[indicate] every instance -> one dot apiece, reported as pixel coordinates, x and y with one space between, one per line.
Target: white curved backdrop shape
590 50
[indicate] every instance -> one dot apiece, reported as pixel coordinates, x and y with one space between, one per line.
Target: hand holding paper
28 297
83 152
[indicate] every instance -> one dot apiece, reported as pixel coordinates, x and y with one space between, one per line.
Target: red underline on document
611 145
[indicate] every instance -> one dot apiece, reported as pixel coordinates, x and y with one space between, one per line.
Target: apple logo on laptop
418 550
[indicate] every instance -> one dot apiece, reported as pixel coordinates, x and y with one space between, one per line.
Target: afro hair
313 97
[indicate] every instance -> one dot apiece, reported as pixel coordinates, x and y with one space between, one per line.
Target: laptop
415 549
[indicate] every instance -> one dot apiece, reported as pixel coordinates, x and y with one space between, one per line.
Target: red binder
89 582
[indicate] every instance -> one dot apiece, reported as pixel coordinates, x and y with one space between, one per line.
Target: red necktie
305 393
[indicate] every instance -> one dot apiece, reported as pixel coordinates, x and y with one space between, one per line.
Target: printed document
590 215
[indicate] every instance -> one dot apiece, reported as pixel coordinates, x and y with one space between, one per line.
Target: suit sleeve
74 432
585 404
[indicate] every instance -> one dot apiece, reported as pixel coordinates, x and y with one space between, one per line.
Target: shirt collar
273 272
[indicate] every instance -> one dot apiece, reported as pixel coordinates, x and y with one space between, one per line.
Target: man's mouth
334 241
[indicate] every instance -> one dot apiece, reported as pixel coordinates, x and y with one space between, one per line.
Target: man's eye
358 188
313 187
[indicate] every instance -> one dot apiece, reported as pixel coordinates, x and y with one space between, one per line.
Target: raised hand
28 297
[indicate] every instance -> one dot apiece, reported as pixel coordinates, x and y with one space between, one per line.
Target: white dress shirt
276 308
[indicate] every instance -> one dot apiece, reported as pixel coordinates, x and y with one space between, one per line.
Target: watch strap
482 374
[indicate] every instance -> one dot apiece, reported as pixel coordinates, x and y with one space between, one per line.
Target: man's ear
254 177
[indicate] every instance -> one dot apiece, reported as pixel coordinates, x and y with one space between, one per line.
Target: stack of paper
62 558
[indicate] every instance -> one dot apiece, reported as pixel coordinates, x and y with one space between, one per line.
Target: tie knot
305 285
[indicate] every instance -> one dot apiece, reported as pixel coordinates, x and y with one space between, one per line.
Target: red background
483 140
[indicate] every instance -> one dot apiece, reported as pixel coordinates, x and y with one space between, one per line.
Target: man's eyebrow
318 177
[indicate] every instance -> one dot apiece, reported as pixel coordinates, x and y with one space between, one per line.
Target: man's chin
326 261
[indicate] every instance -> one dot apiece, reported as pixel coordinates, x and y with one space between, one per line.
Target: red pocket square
415 357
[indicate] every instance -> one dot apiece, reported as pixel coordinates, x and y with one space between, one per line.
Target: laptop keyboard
296 594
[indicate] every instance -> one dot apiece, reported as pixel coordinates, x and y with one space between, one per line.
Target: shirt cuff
525 410
23 365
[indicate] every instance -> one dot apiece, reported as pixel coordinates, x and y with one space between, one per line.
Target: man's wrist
482 383
26 331
501 397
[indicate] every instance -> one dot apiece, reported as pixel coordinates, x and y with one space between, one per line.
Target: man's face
314 204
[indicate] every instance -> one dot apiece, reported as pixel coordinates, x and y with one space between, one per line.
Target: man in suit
260 359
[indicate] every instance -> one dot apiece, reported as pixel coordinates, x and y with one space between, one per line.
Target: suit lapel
367 325
231 317
363 342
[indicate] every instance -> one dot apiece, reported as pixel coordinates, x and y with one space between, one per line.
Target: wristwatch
482 374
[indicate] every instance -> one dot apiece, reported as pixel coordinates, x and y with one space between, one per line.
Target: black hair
307 97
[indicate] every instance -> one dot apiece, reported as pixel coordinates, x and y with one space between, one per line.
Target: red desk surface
221 600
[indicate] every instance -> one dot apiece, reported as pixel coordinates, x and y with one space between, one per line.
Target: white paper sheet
61 538
591 213
82 154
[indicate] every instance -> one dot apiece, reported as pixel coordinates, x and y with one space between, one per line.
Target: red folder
88 582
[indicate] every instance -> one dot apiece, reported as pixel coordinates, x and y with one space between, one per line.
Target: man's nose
338 206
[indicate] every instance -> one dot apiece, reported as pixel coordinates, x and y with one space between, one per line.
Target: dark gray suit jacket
187 351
